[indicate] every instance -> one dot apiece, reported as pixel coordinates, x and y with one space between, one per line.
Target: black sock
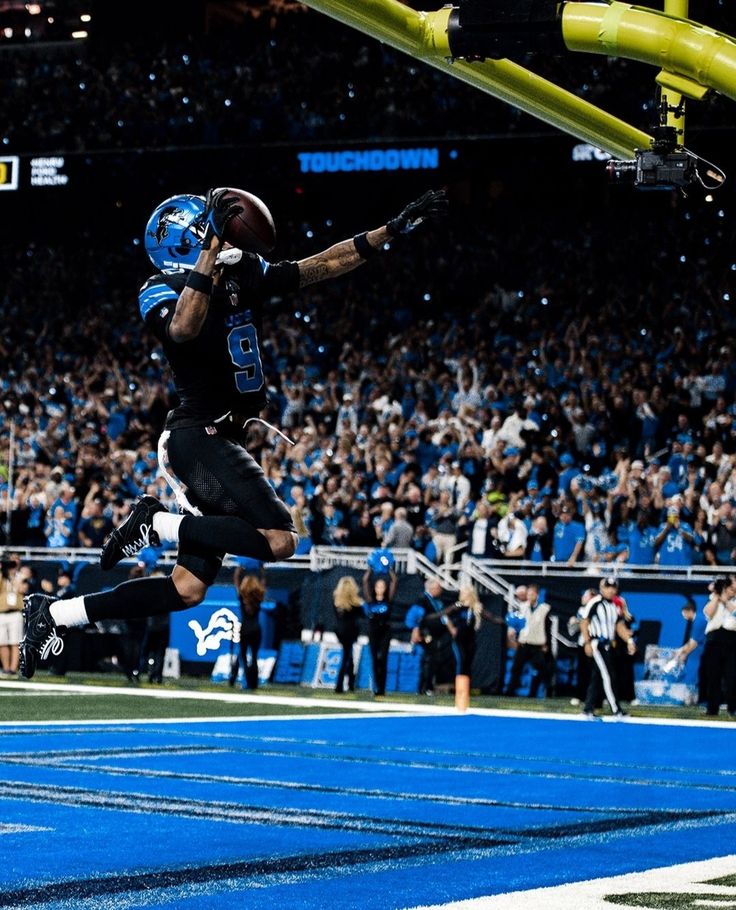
225 534
134 599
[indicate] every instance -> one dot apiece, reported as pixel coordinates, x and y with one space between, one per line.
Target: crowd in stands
257 83
506 391
501 393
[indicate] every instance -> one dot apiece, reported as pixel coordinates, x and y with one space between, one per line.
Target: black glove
218 210
431 206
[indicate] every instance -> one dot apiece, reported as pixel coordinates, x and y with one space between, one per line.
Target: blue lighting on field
349 160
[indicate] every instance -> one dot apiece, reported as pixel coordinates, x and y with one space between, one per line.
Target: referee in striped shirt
600 621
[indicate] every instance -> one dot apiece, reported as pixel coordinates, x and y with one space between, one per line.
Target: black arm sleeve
282 278
265 279
158 321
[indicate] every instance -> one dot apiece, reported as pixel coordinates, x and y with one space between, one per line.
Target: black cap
609 581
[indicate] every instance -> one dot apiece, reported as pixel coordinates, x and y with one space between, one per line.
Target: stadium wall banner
377 159
204 633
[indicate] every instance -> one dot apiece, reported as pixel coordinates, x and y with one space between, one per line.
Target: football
252 229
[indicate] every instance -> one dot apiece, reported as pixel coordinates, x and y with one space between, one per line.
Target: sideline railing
92 555
408 562
490 574
595 570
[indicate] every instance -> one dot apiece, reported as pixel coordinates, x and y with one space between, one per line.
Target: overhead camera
665 166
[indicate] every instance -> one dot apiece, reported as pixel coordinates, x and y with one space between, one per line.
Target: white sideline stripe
356 707
150 721
686 878
20 829
351 708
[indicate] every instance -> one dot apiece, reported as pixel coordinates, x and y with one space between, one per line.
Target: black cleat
42 636
135 533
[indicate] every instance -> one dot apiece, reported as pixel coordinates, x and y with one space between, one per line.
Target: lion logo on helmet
170 216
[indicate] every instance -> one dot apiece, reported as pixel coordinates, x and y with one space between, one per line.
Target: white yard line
353 707
685 879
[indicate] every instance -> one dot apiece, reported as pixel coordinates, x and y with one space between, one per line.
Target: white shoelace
52 645
130 549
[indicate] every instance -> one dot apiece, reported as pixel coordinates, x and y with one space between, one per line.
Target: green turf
29 706
18 704
664 900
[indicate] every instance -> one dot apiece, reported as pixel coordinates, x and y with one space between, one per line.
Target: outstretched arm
349 254
339 259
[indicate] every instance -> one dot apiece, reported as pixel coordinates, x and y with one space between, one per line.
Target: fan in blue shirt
568 538
676 541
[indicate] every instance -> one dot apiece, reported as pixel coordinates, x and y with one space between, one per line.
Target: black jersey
221 370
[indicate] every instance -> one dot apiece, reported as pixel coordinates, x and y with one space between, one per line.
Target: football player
205 305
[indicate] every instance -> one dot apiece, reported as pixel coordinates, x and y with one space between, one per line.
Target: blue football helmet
174 232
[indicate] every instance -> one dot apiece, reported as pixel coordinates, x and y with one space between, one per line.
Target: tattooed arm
338 259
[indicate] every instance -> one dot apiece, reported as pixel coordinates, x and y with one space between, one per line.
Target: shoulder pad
158 290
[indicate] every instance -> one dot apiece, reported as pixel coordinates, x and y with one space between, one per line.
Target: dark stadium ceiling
24 22
44 20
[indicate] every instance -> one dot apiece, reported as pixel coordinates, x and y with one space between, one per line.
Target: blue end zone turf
377 812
